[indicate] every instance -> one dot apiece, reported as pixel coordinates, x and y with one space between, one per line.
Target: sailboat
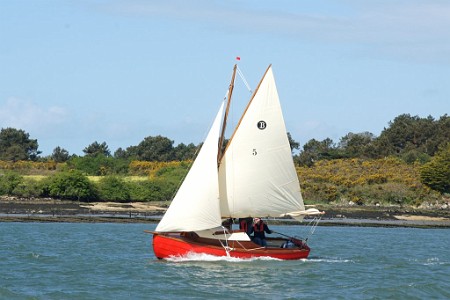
252 176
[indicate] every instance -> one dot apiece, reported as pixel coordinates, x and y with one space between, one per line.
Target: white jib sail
196 204
257 176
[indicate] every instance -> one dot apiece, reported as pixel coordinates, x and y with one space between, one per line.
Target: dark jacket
259 229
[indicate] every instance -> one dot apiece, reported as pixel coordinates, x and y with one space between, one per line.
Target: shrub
113 188
387 180
157 168
152 190
71 185
8 182
436 173
28 188
98 165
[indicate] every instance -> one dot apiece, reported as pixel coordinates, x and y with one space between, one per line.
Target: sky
117 71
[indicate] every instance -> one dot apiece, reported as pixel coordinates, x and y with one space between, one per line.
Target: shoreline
52 211
99 218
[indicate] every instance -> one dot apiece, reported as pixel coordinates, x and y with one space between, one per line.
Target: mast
248 105
225 117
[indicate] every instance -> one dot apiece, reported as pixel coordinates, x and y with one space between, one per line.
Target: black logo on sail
261 125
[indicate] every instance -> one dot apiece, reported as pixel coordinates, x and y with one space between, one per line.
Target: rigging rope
226 247
244 80
313 226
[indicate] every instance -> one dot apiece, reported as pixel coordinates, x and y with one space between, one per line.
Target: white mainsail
196 204
257 176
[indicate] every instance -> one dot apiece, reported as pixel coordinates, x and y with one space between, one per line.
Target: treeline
408 137
409 163
72 184
16 145
359 168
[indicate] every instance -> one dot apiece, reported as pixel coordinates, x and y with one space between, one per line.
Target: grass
35 177
133 178
91 178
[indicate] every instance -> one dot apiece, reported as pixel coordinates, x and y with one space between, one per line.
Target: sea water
116 261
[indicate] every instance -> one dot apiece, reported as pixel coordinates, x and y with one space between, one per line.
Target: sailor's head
256 220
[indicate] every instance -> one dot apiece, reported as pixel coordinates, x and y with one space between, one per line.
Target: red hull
170 245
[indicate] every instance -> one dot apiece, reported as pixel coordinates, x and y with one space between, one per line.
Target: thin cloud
415 29
22 114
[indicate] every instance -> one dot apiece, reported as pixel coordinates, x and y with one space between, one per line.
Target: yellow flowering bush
387 180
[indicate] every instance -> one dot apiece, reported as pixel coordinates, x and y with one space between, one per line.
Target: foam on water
429 261
210 258
329 260
191 256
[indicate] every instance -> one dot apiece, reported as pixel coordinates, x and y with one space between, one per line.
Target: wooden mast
225 117
248 105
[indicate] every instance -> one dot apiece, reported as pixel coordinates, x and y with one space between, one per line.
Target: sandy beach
51 210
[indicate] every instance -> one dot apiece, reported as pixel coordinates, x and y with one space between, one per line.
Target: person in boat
259 229
245 225
228 223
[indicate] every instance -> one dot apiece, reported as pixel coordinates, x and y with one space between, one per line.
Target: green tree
357 145
16 145
156 148
95 149
113 188
120 153
184 152
414 155
436 173
442 134
60 154
294 145
414 135
315 150
70 185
